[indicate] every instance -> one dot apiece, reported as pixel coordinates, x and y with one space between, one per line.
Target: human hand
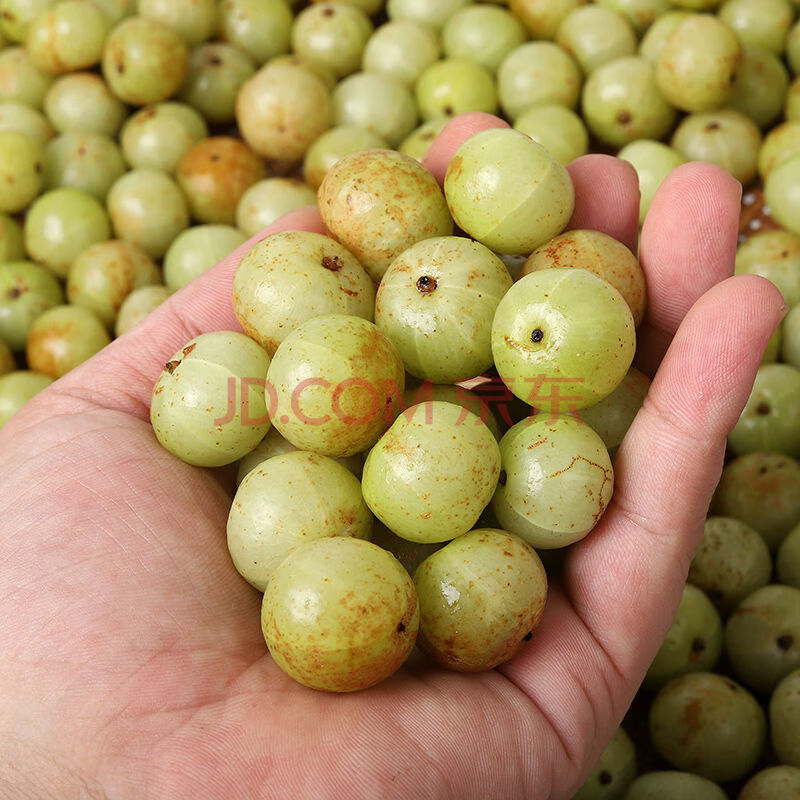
131 656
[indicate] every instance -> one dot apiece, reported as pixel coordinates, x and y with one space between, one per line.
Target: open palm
131 659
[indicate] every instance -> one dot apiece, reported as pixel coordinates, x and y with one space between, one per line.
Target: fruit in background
137 305
614 771
195 20
21 165
26 291
784 713
196 250
653 161
20 80
83 101
401 50
558 129
262 28
16 389
787 559
667 785
782 192
594 35
772 782
759 89
269 199
19 117
775 255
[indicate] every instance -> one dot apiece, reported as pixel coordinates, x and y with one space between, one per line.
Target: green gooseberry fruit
333 35
774 255
401 49
653 161
340 614
26 291
709 725
83 101
537 73
148 209
144 61
558 129
67 37
563 339
481 597
594 35
670 784
261 28
454 86
725 137
268 200
435 15
377 203
61 224
116 10
787 559
63 337
289 500
19 117
542 17
640 13
792 48
771 417
137 305
332 384
216 72
418 142
622 102
195 20
614 414
731 561
282 110
208 405
21 167
196 250
614 771
20 79
12 240
436 303
103 275
656 35
16 389
601 254
293 276
772 782
759 23
157 137
17 15
790 339
763 490
693 642
483 34
782 193
759 89
377 102
333 145
784 712
697 65
507 191
762 637
556 480
83 160
779 144
415 480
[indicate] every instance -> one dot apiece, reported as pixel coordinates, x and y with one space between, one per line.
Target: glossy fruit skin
782 193
480 597
26 291
558 129
63 337
542 17
292 276
507 191
563 339
762 637
17 15
434 15
615 770
784 711
196 250
20 79
454 86
668 785
436 303
771 417
268 200
214 175
775 255
760 87
763 23
340 614
144 62
772 782
137 305
61 224
731 562
595 35
655 37
16 388
720 739
334 379
379 202
82 100
262 28
401 50
287 501
640 13
195 20
19 117
779 144
208 405
21 166
556 481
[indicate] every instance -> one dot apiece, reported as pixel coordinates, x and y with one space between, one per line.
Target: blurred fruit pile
141 141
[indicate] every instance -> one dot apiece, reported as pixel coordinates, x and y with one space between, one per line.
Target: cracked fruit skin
340 614
505 190
432 473
562 339
480 597
556 480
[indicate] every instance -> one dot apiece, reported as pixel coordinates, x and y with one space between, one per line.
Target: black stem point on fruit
333 263
698 645
14 293
762 409
528 636
624 117
604 778
170 366
712 126
400 627
537 335
426 284
785 642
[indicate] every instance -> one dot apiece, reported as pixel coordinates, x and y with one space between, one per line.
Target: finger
688 245
606 197
122 375
453 135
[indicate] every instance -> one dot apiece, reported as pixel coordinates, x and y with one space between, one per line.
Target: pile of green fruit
142 141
